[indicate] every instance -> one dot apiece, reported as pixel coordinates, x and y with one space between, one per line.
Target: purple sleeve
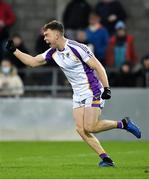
48 54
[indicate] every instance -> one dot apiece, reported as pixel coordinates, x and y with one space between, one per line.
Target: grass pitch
72 160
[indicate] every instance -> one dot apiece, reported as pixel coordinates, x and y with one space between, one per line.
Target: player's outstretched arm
25 58
97 66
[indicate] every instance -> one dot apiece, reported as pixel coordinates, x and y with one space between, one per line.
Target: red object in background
7 15
130 51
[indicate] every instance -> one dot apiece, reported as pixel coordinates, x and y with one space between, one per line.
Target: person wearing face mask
10 83
96 35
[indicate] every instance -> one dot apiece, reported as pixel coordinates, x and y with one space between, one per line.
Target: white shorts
89 101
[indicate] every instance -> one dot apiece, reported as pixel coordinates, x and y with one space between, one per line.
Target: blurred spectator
75 17
19 44
10 82
121 48
125 77
7 19
41 46
111 12
96 35
143 72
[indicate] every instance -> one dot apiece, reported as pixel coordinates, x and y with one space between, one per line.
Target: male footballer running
89 92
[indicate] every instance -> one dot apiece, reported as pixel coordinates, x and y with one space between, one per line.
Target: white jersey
72 60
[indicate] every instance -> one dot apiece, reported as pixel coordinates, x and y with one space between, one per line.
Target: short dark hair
144 58
54 25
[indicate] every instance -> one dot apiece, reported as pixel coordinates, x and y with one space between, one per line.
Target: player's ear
57 35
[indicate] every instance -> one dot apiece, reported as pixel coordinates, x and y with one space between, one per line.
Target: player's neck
61 44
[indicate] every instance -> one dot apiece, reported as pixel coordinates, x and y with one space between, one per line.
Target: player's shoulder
50 50
77 45
48 53
81 49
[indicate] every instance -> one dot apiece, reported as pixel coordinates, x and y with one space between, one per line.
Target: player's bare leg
93 123
89 138
87 121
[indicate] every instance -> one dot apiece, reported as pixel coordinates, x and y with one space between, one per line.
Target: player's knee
89 128
80 130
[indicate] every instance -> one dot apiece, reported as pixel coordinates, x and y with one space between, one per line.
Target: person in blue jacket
97 35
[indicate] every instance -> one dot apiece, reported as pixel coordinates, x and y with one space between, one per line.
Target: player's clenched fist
10 46
106 94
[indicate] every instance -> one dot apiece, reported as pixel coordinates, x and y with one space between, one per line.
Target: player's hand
106 94
10 46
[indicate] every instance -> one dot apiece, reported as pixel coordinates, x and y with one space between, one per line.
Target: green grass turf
72 160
